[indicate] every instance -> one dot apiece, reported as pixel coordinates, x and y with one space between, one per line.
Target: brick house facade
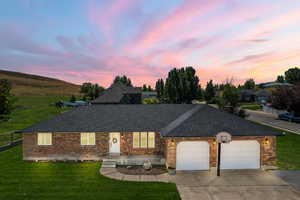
267 151
66 146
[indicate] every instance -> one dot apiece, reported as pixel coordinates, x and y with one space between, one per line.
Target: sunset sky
82 40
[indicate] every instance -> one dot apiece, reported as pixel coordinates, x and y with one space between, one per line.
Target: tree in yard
249 84
6 99
91 90
159 87
182 85
72 99
231 95
210 91
292 75
144 88
280 79
287 98
123 79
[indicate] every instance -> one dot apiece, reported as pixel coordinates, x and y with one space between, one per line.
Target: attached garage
240 155
192 155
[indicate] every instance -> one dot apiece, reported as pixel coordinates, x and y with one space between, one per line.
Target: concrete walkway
115 174
272 120
232 185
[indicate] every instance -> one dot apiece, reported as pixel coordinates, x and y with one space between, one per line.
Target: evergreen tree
209 91
280 79
6 99
292 75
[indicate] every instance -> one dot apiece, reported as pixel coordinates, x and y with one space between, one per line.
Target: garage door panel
192 156
240 155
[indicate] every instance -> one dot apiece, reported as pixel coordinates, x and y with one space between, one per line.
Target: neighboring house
119 93
247 95
149 95
262 96
181 136
274 85
253 95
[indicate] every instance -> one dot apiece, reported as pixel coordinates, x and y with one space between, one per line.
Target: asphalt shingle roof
209 121
172 120
115 93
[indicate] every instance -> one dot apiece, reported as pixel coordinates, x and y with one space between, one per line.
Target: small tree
144 88
292 75
91 90
249 84
231 96
123 79
6 99
280 79
72 99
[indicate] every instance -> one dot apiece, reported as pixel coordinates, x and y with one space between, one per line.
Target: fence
8 140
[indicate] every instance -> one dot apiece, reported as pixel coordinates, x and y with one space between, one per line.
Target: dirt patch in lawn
139 170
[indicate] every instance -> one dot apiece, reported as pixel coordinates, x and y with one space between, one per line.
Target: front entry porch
112 160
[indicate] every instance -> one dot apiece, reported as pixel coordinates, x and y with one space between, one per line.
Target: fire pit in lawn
139 170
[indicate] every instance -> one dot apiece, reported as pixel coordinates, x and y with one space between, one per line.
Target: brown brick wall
66 146
267 151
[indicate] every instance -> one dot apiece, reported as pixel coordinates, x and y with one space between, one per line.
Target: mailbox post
222 137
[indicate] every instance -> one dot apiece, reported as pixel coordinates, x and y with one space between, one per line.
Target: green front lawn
74 181
288 151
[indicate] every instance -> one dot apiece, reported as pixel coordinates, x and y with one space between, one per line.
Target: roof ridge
179 120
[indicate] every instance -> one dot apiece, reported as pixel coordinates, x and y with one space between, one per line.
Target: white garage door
192 156
240 155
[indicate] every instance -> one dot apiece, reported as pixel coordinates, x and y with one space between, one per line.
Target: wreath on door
114 140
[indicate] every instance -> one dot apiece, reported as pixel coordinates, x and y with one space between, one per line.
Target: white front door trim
114 142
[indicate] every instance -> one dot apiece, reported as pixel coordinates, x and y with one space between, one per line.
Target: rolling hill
34 85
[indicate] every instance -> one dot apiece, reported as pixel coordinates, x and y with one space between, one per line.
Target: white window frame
87 135
42 141
138 145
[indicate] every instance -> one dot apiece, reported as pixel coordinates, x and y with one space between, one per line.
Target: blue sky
81 41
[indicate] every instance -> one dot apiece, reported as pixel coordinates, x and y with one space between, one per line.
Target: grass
33 85
252 107
288 151
29 110
29 180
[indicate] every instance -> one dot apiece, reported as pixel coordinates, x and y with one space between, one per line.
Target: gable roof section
113 118
209 121
115 93
171 120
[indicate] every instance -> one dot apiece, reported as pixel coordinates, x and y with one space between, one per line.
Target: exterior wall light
266 141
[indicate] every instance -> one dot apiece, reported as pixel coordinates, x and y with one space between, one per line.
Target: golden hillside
28 84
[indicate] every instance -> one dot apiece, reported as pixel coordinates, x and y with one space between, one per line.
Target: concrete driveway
233 185
271 120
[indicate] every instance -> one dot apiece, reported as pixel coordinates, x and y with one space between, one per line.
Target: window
143 140
87 139
44 138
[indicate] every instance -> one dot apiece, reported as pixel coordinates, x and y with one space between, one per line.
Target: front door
114 143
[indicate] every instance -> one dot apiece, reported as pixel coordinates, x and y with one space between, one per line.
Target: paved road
271 120
290 176
233 185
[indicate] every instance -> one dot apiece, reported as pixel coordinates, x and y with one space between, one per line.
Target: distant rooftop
115 93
